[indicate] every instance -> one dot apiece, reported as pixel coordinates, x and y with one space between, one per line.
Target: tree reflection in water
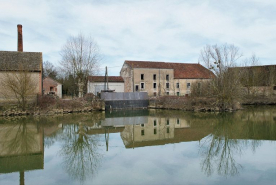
23 140
20 141
229 138
79 152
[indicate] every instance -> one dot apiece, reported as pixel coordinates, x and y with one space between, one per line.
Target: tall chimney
19 38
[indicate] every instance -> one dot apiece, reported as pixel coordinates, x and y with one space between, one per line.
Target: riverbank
259 100
196 104
50 106
203 104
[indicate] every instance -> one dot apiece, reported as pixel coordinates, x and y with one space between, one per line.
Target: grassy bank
204 104
46 105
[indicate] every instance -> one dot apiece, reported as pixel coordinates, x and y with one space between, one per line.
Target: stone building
51 86
20 69
163 78
257 80
98 83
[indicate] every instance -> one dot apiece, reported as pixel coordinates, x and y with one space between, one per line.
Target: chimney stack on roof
19 38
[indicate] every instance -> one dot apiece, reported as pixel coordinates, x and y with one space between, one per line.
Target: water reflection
85 140
21 147
79 151
233 133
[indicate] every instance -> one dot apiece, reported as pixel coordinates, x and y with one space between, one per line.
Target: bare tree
19 85
49 70
226 86
249 76
80 58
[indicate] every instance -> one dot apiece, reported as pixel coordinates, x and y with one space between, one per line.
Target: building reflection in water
21 148
140 128
221 138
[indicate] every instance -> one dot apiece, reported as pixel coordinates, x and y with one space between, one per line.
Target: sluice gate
125 100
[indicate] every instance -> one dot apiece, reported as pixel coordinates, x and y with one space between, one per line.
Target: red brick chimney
19 38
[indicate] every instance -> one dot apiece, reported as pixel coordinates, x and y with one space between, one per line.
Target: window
51 88
178 121
167 77
142 76
154 131
154 76
142 132
168 93
177 85
142 85
142 125
274 88
188 85
154 123
168 130
168 122
154 85
136 87
154 94
167 85
177 93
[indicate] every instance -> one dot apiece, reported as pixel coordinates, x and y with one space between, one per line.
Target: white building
97 83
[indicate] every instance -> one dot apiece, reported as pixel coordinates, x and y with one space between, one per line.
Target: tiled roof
14 60
51 81
181 70
102 79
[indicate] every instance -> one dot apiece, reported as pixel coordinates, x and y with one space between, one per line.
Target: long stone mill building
163 78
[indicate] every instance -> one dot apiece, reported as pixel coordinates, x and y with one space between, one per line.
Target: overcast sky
155 30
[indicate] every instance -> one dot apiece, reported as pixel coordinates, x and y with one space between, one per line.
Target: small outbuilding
52 87
96 84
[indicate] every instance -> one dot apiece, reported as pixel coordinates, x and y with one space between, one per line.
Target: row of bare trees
232 75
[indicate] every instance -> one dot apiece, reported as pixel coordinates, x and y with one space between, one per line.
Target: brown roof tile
14 60
102 79
181 70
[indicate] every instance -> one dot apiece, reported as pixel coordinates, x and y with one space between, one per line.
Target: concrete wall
7 95
59 90
95 87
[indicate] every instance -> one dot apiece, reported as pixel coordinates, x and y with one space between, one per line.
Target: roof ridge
159 62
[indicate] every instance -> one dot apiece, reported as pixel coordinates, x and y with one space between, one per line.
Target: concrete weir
125 100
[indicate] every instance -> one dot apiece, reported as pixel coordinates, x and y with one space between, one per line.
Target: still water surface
141 147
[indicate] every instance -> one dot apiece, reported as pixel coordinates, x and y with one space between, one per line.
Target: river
140 147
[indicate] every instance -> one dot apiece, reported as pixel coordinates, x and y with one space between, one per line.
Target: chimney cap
19 25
